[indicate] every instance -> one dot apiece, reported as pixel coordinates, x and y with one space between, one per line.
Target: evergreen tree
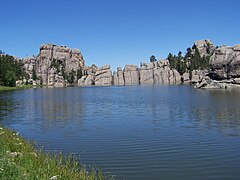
153 58
34 75
181 64
79 73
71 77
196 60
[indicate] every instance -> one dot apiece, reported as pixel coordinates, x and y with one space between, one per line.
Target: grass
19 160
5 88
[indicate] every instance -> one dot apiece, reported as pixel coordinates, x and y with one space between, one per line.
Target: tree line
10 70
192 60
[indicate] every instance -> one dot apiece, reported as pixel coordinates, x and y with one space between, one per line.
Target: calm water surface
158 132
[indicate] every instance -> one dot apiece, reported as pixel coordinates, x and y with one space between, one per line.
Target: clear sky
117 32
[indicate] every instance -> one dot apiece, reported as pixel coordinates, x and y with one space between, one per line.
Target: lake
134 132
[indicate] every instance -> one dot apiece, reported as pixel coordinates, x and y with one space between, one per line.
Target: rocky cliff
205 47
225 68
59 66
118 79
55 65
148 74
96 76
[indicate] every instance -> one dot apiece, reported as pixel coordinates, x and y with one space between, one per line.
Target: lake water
135 132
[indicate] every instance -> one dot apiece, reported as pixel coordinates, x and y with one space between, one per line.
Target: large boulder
208 83
185 77
225 62
88 80
197 76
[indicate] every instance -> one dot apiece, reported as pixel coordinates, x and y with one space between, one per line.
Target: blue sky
117 32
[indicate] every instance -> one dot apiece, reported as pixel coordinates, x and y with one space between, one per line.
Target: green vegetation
71 77
34 74
19 160
10 70
192 60
56 65
153 58
5 88
79 73
10 79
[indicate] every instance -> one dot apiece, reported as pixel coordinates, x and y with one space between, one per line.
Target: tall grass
20 160
5 88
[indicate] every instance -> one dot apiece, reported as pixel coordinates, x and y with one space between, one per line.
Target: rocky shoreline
61 66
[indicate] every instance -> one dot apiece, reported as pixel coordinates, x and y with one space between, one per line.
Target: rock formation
185 78
197 76
205 47
225 62
164 75
118 79
131 75
60 66
55 65
225 69
103 76
146 73
97 76
87 80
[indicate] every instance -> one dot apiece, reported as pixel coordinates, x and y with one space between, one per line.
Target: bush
10 79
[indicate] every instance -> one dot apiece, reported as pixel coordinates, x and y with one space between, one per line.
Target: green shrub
10 79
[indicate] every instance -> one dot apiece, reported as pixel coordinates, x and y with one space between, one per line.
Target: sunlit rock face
118 79
131 75
225 62
54 63
103 76
205 47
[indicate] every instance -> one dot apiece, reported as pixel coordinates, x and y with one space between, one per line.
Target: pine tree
34 75
71 77
79 73
153 58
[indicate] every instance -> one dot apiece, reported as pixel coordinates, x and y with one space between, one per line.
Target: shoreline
20 160
6 88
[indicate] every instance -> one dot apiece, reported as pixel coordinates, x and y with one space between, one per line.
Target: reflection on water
168 132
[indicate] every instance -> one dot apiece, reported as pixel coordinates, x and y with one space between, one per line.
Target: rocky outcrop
131 75
118 79
146 73
205 47
225 62
88 80
225 69
164 75
208 83
54 64
186 78
90 69
103 76
197 76
99 76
